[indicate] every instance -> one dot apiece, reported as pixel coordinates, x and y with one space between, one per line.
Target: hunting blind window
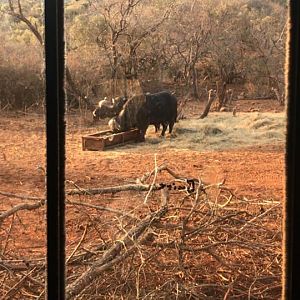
57 162
163 218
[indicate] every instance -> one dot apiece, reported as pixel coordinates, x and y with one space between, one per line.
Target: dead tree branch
110 255
211 99
18 14
113 189
8 235
23 206
13 290
103 208
78 245
10 195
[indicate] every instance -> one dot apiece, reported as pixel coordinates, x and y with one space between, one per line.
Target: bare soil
256 172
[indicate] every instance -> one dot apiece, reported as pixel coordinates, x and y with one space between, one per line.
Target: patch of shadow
153 141
212 131
276 126
180 130
197 139
272 135
261 123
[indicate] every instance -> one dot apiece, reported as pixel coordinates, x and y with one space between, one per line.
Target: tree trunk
211 98
195 83
115 61
125 86
76 92
221 92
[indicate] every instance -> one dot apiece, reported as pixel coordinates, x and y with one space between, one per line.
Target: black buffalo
162 109
142 110
109 109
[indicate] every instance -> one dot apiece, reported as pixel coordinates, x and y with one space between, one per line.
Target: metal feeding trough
107 139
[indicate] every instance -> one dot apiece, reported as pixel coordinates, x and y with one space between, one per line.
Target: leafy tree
190 43
266 43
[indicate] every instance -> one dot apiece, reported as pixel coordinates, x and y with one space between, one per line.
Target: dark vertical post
55 128
292 215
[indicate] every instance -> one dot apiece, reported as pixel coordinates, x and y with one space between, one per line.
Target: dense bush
21 76
188 43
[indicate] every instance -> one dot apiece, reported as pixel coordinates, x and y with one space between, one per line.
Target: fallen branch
8 235
13 290
154 180
42 202
159 169
205 248
103 208
23 206
10 195
20 264
113 189
78 245
259 216
109 257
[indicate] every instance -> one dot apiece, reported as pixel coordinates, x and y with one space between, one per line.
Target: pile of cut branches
175 237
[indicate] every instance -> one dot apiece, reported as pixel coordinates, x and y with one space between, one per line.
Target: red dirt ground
255 172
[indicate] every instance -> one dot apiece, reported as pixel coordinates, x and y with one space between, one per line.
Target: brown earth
253 173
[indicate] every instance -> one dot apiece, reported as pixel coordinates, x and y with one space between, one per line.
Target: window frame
55 146
291 211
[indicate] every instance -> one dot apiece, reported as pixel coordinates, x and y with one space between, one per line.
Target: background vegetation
188 46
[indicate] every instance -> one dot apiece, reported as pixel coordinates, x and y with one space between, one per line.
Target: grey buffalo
108 109
133 115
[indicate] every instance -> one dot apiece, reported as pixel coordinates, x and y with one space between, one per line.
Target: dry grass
219 131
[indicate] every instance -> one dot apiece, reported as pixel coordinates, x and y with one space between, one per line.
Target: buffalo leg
142 134
157 127
171 126
165 125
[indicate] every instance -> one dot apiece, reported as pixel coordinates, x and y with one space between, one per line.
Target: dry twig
109 257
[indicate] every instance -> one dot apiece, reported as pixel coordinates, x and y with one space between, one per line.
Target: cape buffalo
108 109
142 110
162 108
133 115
